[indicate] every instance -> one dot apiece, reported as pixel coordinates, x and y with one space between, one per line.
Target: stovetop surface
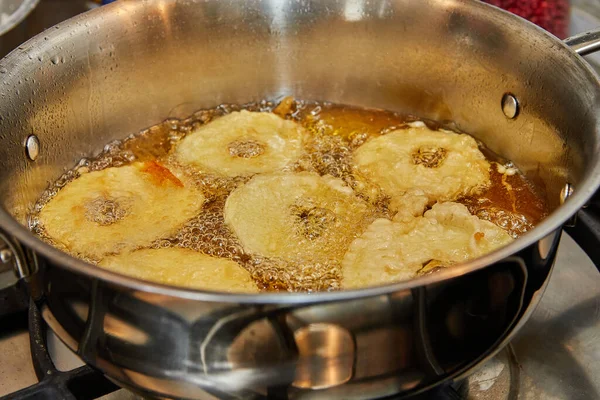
556 356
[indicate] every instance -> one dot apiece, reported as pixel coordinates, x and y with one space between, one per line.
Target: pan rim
550 225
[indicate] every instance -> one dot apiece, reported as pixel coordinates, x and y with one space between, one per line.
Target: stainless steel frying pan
129 65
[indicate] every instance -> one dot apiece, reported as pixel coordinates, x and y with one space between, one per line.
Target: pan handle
586 230
585 43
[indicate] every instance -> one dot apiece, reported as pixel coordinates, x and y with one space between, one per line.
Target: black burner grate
83 383
450 391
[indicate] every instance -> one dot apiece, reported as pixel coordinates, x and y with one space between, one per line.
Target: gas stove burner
84 382
561 334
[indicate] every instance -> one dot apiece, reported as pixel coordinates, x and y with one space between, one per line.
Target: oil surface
511 202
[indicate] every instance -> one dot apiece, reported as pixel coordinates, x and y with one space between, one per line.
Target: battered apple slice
443 165
295 217
182 267
395 251
118 209
243 143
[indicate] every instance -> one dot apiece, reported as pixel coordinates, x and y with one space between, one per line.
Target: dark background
45 15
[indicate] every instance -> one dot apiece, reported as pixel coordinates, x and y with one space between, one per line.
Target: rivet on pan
5 256
565 193
32 147
510 105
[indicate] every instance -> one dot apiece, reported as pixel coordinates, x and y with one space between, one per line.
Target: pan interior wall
130 65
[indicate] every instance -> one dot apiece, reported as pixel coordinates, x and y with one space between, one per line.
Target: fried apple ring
243 143
182 267
300 217
444 165
395 251
118 209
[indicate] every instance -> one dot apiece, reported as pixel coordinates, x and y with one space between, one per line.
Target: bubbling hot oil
335 132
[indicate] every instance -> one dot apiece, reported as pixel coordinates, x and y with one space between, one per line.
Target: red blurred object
552 15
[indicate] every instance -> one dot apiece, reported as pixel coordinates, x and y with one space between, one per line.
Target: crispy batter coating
411 204
444 165
118 209
394 251
295 217
182 267
243 143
